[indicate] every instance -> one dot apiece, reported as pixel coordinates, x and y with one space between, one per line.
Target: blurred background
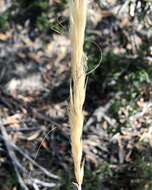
35 148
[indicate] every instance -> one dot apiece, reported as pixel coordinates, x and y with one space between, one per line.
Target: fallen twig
100 113
23 153
12 157
142 113
41 183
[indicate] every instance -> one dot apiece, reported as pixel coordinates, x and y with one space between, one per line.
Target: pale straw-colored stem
79 187
78 15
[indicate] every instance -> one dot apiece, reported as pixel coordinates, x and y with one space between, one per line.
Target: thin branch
12 157
25 154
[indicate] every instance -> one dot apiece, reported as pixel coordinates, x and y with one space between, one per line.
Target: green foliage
40 14
138 77
42 22
123 75
32 4
135 176
4 21
92 179
33 10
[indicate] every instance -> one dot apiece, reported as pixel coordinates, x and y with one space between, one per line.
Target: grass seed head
78 15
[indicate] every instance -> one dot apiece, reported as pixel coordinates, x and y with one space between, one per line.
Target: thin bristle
78 15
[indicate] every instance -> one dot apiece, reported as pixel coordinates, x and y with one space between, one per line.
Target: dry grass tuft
78 15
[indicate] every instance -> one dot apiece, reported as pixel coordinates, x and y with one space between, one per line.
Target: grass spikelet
78 15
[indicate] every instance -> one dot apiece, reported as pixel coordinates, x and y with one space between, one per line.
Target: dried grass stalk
78 15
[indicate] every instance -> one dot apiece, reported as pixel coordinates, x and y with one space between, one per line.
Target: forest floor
35 148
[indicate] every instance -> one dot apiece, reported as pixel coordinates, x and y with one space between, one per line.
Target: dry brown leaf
4 37
12 120
44 144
